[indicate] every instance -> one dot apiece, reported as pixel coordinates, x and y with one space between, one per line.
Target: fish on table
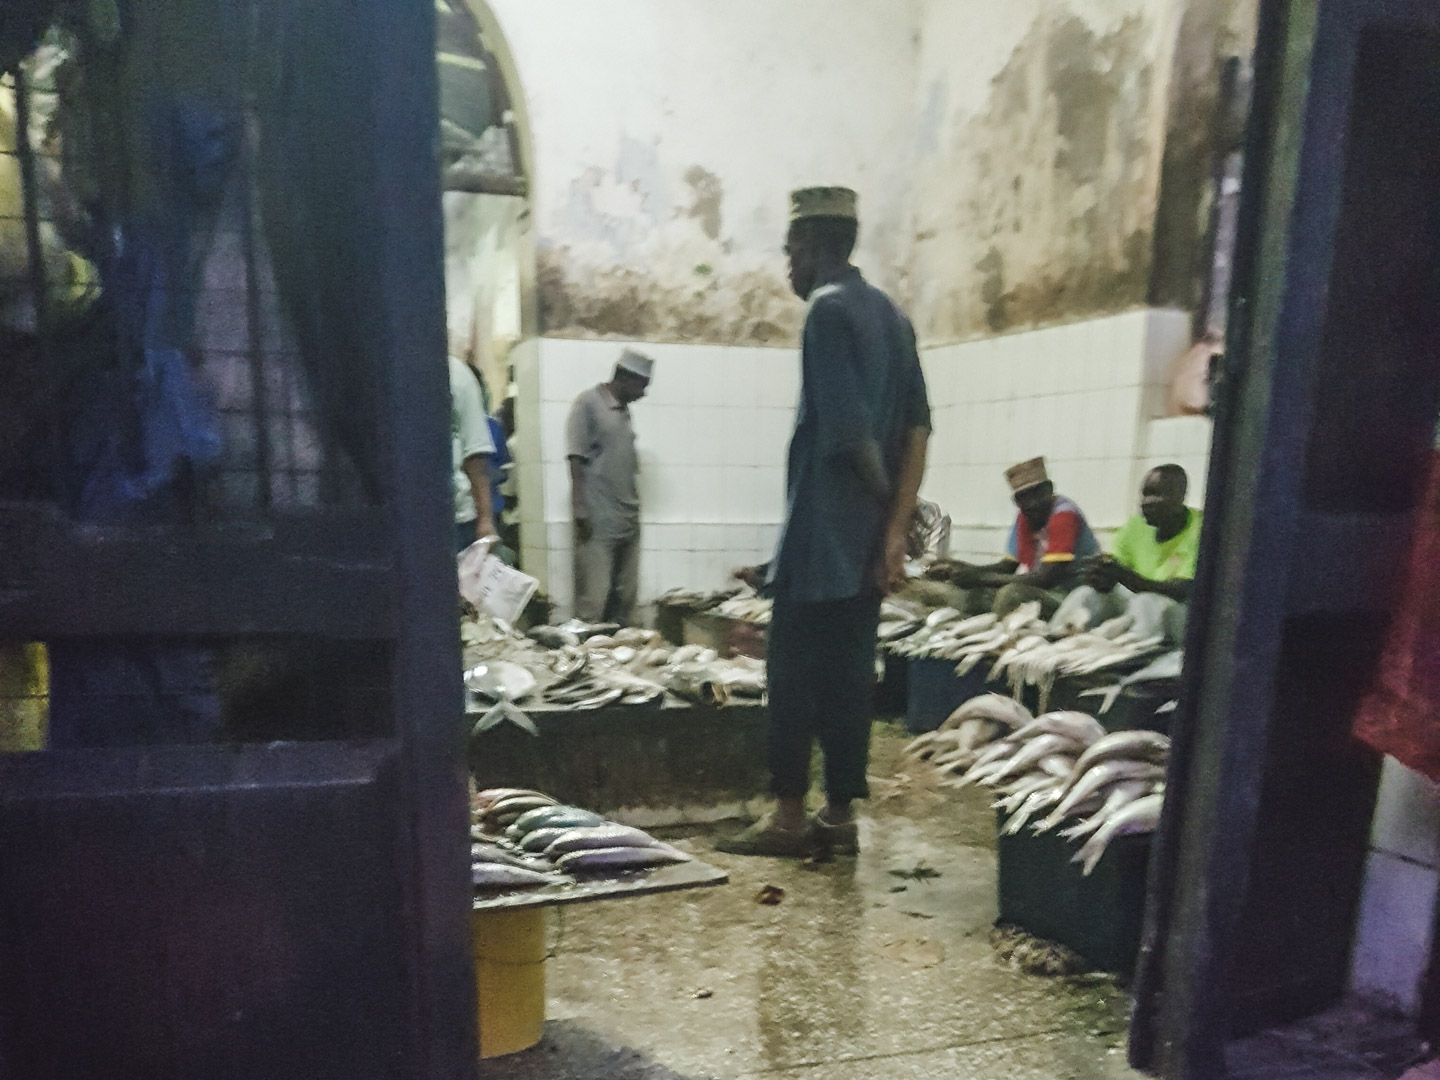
568 817
486 876
599 860
597 837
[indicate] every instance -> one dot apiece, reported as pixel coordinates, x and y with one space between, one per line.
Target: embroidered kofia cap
637 363
822 202
1027 474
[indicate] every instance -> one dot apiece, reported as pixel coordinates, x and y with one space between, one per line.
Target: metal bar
30 192
1224 109
254 319
1149 1045
408 234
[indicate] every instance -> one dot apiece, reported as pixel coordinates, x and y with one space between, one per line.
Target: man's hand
1102 573
754 576
484 528
960 574
583 531
890 568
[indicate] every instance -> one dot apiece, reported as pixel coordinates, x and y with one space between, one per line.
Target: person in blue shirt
856 459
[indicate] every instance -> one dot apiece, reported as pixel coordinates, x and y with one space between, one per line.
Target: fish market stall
530 852
952 659
616 718
1071 798
674 607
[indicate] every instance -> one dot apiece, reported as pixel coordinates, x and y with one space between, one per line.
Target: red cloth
1401 714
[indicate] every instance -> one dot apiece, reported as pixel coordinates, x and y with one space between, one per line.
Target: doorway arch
490 246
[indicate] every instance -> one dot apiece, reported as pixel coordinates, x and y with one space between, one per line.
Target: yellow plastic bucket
509 978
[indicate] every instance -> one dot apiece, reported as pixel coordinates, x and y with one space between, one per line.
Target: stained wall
1008 159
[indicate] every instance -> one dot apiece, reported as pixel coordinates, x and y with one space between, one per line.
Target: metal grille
139 284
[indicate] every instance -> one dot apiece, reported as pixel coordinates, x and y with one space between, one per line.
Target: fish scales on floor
581 667
524 840
1052 769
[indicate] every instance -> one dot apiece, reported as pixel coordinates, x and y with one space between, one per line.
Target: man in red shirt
1042 558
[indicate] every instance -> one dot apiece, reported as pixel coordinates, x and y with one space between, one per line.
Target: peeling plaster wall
1209 32
1038 139
1008 159
666 136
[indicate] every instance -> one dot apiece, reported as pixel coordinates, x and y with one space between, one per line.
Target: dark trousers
821 670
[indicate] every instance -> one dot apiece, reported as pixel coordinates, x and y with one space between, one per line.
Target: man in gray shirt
604 499
856 460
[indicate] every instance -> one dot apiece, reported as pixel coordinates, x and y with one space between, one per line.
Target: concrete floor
858 973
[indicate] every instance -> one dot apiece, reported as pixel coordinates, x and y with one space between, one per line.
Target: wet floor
865 969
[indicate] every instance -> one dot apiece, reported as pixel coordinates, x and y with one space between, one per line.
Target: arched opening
489 237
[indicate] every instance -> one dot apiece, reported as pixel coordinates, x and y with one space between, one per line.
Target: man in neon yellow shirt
1156 550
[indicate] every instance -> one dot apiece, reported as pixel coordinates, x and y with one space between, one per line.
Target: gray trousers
607 578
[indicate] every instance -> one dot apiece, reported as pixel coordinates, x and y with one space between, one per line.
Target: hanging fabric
1401 714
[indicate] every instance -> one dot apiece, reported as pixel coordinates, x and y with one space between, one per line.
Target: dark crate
670 623
677 760
1043 892
891 692
933 691
1134 708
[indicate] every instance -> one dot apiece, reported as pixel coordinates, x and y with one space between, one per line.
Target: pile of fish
525 839
693 601
581 666
1037 661
943 634
1061 764
1164 668
1023 648
746 608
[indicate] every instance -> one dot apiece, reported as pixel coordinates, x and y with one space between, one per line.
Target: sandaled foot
765 837
842 839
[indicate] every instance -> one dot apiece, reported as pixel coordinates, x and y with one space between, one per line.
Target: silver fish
568 663
493 853
499 713
1141 816
1061 765
537 840
1120 794
546 817
500 876
1017 793
1095 780
636 637
1162 668
991 759
1136 745
553 637
1073 725
1032 751
499 680
491 796
620 858
507 810
1034 803
993 707
697 682
599 836
900 628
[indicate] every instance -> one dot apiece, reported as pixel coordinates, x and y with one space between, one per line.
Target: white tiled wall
713 431
1183 440
1397 908
1077 394
711 436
